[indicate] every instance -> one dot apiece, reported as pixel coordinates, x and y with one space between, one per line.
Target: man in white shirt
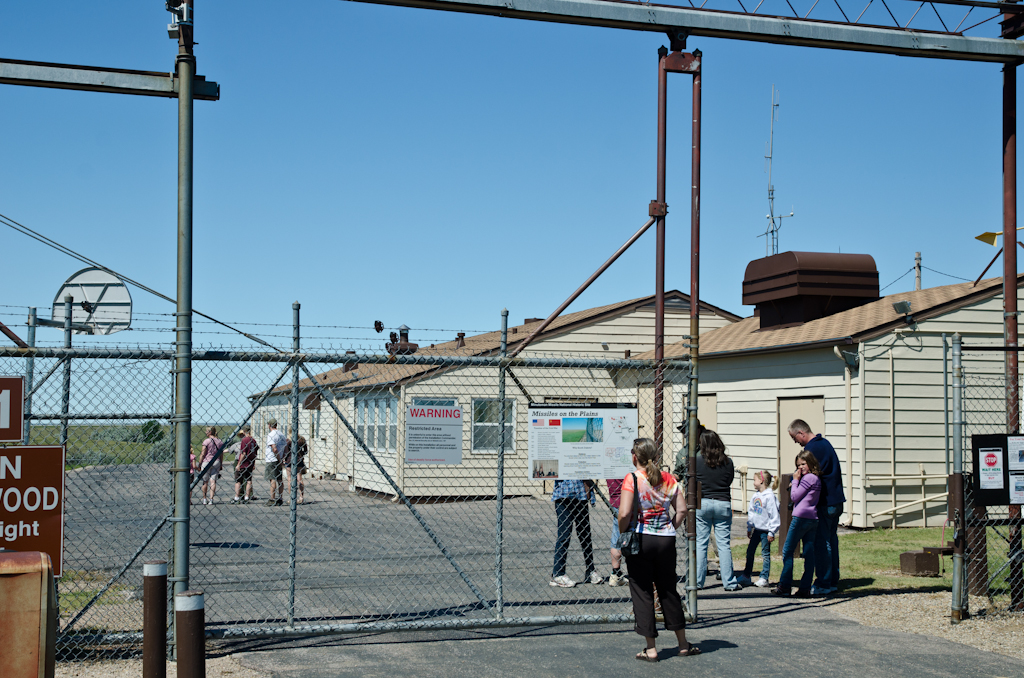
272 472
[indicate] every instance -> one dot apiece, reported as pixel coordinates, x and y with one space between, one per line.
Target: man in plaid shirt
570 498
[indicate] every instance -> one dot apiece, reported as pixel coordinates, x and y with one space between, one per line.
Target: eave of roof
379 376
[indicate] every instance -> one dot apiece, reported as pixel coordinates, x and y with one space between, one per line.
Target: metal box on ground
919 563
28 615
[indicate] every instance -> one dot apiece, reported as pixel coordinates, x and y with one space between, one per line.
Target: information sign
32 501
581 442
433 435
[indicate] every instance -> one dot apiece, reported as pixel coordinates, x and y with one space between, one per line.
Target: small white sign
1015 450
433 434
1016 488
990 468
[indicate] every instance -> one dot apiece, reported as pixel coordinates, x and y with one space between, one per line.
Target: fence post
190 632
154 619
65 393
945 401
30 369
956 490
500 488
293 462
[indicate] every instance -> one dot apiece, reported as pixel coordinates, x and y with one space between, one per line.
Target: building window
377 423
486 416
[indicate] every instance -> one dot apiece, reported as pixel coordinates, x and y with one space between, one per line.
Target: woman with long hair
715 473
655 564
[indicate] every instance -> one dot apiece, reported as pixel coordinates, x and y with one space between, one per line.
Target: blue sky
430 168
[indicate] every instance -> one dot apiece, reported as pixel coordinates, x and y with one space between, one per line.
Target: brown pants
655 565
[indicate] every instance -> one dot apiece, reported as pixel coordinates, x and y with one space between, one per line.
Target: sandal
644 657
691 651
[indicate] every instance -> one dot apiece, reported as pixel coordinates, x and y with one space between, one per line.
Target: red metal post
659 265
1010 298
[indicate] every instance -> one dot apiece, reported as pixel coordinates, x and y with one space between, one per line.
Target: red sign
12 409
32 501
991 459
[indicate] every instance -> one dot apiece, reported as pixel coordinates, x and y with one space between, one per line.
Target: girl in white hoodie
762 525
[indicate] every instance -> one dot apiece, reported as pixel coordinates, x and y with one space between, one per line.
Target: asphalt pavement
740 634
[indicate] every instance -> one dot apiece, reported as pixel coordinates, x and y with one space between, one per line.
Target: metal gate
376 543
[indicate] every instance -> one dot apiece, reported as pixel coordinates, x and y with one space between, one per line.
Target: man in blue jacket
830 507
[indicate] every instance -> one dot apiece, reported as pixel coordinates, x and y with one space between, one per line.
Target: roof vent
460 340
532 320
793 288
402 346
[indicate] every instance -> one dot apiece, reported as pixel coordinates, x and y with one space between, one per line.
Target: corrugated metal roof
489 343
852 326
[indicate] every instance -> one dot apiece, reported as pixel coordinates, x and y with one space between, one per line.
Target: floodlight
989 238
901 307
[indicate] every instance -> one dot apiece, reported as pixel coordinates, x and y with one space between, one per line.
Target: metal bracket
677 40
657 209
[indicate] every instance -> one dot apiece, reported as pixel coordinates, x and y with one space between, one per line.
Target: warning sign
32 501
12 417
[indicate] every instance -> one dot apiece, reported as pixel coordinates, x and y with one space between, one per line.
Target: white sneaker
595 578
236 500
761 583
205 501
562 581
617 580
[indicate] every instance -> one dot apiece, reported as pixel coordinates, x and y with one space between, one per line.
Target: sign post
32 501
12 409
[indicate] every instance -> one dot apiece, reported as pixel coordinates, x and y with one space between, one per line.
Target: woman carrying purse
649 545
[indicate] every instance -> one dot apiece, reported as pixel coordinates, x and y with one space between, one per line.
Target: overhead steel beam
719 24
91 79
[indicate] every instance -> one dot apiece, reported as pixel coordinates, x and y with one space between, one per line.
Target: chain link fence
993 557
364 540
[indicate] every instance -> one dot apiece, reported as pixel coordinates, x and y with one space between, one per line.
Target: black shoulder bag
629 544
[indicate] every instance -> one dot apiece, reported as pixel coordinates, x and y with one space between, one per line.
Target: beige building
374 398
869 378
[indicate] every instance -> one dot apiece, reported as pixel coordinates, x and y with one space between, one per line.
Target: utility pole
917 270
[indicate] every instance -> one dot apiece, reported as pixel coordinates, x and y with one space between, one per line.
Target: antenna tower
771 235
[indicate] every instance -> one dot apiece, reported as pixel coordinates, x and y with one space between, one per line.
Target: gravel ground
928 614
220 667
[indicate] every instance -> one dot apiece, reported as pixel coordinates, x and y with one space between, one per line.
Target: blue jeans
759 537
805 529
572 513
616 536
826 547
718 514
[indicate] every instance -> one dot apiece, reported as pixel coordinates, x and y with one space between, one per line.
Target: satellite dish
102 303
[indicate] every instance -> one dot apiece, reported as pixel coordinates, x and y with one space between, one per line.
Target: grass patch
869 561
113 444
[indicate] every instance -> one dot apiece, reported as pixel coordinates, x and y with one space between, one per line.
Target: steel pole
185 65
30 370
956 489
65 392
659 262
500 488
294 463
694 334
1016 574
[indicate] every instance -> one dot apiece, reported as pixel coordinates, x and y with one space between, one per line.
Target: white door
812 410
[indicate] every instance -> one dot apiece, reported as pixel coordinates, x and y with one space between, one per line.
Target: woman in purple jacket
804 491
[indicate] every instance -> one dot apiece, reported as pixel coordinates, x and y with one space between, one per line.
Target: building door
812 410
